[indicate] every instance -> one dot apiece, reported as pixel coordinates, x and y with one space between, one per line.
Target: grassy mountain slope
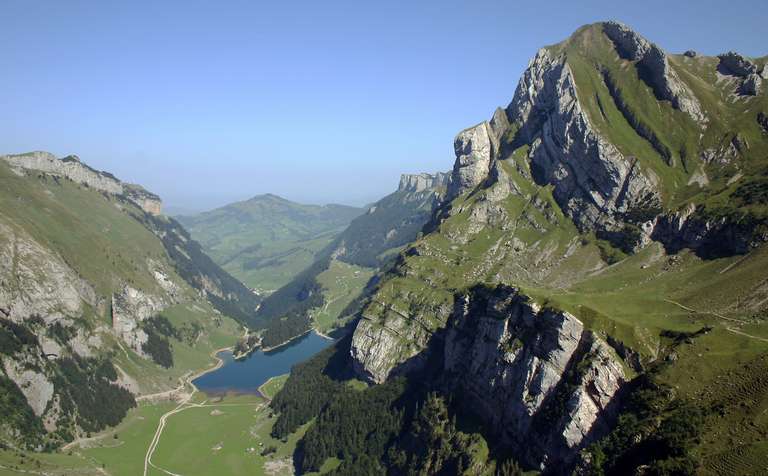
73 261
688 327
266 240
328 292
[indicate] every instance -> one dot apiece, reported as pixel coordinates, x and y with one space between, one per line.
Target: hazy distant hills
266 240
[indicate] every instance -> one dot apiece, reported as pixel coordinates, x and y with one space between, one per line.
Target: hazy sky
318 101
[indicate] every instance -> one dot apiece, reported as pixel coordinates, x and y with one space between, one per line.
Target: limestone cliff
608 145
73 169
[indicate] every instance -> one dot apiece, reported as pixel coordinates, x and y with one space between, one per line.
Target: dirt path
729 329
183 404
704 312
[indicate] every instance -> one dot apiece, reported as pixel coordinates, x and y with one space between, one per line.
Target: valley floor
202 435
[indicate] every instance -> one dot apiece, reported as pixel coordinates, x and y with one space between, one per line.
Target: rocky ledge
73 169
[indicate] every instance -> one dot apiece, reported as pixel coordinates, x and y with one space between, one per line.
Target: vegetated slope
592 292
266 240
101 299
368 244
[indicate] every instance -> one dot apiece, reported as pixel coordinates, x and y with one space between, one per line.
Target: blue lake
245 376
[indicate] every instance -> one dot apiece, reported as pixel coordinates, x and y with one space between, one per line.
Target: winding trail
728 328
183 404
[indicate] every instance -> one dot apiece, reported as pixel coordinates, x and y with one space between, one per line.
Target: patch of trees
157 346
18 416
87 390
655 431
285 312
308 389
15 337
391 428
433 444
61 333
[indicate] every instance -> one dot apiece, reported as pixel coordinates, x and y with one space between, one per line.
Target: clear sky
318 101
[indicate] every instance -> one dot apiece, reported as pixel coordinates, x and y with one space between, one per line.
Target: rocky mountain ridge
609 145
72 168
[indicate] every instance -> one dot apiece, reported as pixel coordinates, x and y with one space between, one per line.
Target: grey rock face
511 358
37 282
417 183
752 85
652 60
708 237
593 181
35 386
71 168
735 64
129 308
474 150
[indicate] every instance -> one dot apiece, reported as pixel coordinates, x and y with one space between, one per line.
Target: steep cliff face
611 152
540 379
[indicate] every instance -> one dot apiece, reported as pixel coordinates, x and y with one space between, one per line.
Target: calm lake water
245 376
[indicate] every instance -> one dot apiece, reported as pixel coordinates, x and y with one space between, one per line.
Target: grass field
341 284
272 386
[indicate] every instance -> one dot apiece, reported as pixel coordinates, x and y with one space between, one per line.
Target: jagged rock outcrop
474 150
655 69
752 85
517 363
708 236
538 379
417 183
129 308
593 181
734 64
72 168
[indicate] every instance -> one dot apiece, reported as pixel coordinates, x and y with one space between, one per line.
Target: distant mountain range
266 240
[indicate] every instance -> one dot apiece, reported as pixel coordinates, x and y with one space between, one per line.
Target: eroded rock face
708 237
71 168
474 151
36 282
752 85
34 385
417 183
512 358
654 63
514 361
736 65
129 308
593 181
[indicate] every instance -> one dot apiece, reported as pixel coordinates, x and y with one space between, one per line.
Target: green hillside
623 189
330 290
77 264
266 240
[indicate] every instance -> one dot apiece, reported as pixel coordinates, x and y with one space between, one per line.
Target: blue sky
210 102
